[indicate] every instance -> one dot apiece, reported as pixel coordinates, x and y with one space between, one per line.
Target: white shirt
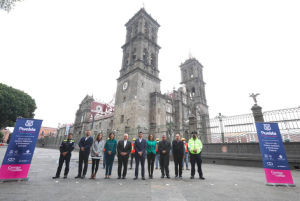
140 140
125 142
87 138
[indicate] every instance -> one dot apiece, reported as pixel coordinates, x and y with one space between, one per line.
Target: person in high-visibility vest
186 154
132 152
195 147
157 155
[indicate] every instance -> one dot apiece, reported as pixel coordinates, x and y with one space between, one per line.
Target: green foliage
7 5
13 104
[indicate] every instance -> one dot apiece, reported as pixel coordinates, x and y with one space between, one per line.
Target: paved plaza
222 183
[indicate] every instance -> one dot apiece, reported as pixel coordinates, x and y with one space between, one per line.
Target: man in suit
124 149
164 148
178 151
140 146
84 144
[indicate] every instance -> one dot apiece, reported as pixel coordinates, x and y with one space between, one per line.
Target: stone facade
139 103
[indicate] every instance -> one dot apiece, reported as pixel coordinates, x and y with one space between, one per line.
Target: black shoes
135 178
176 176
168 176
162 176
130 168
103 167
143 178
123 177
156 168
78 176
56 177
65 176
192 177
201 177
83 176
119 177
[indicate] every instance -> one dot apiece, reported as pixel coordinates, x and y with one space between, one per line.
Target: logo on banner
11 151
14 169
11 159
267 127
29 123
269 163
27 152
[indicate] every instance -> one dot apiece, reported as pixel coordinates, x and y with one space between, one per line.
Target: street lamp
220 117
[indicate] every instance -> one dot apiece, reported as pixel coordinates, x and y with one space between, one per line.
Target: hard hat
157 139
133 139
108 138
182 139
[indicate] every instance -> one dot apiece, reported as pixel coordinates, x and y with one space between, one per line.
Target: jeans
186 159
104 159
157 156
109 163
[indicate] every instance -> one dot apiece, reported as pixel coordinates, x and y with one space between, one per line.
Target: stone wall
245 154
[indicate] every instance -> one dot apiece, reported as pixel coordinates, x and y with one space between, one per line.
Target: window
133 55
122 119
124 98
145 56
100 125
142 84
169 108
152 59
146 31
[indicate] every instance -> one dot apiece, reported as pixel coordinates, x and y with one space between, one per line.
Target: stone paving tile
222 183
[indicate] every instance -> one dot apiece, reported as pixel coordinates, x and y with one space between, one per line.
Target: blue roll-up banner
273 154
18 156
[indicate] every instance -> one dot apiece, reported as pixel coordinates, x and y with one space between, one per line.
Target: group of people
155 151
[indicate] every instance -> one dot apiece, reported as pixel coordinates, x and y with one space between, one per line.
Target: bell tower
139 74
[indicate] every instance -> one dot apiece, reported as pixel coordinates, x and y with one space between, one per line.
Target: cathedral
138 104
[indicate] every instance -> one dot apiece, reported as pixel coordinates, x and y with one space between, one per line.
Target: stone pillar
152 128
257 113
204 137
192 123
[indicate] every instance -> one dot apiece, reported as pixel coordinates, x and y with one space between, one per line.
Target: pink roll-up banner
273 154
19 153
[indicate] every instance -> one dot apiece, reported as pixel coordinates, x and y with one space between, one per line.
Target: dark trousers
95 162
196 158
164 164
83 158
139 159
104 159
151 160
109 163
61 162
178 164
122 160
132 155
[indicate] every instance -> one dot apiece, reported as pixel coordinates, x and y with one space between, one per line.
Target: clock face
125 85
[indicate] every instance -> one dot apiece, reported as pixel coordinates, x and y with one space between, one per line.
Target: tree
1 136
14 104
7 5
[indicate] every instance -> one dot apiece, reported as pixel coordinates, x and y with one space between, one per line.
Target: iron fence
241 128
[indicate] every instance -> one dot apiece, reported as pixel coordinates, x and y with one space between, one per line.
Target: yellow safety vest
195 144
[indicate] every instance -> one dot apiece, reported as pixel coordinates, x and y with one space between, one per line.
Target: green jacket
195 144
111 145
151 147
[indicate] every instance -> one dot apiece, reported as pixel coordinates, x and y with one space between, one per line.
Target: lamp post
221 126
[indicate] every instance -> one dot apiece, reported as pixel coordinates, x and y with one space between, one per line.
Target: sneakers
187 168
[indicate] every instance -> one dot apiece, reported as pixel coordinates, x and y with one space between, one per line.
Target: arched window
193 91
133 55
152 60
146 31
126 63
145 56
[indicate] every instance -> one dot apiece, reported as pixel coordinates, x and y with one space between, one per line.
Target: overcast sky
59 51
